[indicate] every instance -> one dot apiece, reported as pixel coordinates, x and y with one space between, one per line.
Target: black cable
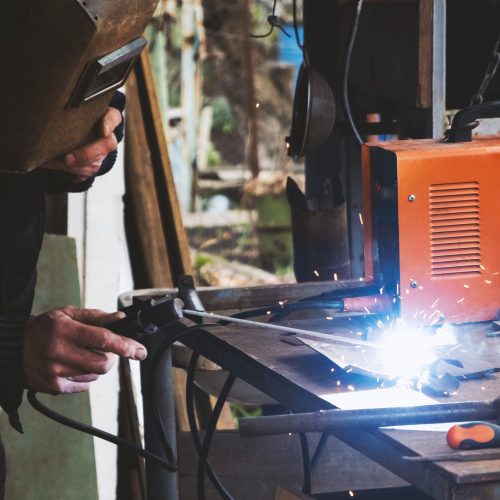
306 463
345 76
194 429
79 426
209 434
169 464
319 449
296 25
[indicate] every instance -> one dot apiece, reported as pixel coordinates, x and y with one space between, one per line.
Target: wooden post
249 89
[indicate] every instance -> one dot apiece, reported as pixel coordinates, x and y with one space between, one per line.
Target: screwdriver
473 435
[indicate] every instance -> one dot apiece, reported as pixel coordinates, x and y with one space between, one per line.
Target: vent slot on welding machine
455 229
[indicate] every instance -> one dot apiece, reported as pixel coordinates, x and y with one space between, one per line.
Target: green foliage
223 116
214 158
200 260
240 411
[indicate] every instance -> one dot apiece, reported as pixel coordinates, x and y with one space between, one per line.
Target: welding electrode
473 435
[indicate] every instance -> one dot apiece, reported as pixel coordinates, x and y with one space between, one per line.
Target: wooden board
49 460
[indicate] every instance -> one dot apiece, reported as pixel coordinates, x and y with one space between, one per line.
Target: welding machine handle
467 119
473 435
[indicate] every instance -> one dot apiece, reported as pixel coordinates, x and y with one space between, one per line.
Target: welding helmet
60 61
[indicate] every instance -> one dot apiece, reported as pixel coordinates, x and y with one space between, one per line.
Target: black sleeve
56 183
11 368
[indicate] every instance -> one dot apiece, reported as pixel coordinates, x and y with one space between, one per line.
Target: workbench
296 376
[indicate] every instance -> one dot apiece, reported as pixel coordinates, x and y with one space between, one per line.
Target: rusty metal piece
337 420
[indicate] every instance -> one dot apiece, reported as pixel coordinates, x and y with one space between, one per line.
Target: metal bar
438 67
289 329
336 420
464 456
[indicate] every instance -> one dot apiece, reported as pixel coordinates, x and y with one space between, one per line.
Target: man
65 349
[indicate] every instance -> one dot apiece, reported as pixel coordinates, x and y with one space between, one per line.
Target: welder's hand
86 161
66 348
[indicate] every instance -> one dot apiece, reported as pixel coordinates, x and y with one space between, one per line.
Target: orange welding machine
432 223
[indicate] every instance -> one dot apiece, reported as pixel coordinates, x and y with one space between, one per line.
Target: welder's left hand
86 161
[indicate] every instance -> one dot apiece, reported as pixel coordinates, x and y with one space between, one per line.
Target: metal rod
463 456
289 329
336 420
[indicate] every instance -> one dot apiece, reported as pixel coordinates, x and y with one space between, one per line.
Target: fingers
90 155
94 317
100 339
66 349
68 361
110 121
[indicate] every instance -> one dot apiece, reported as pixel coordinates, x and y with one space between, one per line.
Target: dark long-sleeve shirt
22 224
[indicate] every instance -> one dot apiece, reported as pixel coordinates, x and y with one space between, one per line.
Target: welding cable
209 434
345 76
306 463
194 429
300 45
319 450
170 464
87 429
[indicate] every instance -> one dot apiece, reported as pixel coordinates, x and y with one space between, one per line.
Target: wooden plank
252 468
144 205
50 460
131 471
171 218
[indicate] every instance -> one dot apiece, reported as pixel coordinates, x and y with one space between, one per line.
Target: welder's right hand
65 349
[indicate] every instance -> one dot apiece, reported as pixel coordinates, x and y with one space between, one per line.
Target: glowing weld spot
466 286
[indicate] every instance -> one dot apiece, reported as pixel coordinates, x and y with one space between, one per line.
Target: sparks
435 303
482 267
361 218
488 282
351 388
335 277
257 105
351 493
461 300
466 286
329 318
316 273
